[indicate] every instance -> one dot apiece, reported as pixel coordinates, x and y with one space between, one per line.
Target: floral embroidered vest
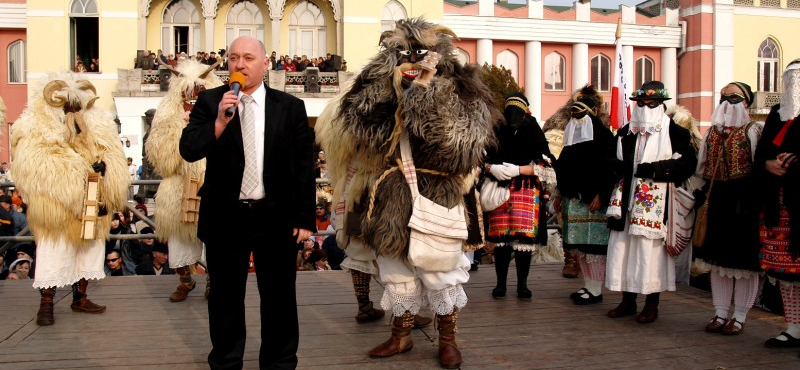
734 147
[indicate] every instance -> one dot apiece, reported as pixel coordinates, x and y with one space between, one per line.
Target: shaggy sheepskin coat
449 124
162 150
53 156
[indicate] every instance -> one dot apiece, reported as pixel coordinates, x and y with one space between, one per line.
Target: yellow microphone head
236 77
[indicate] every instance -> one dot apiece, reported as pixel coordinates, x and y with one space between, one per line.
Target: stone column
209 34
580 65
276 36
533 77
669 73
484 51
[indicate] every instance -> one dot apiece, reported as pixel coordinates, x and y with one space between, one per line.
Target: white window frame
562 71
296 31
596 75
193 41
641 78
233 29
769 63
392 12
21 67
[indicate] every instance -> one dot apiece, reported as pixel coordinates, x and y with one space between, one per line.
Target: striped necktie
250 176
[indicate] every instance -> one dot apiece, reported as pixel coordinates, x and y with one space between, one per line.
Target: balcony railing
764 101
137 82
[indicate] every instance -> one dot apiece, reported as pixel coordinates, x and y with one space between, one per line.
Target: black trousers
268 236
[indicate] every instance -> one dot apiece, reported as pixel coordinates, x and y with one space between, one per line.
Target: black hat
584 104
5 198
651 90
160 247
146 230
518 100
746 90
28 248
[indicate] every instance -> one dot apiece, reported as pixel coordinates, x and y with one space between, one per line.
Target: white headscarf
645 119
790 99
730 115
578 131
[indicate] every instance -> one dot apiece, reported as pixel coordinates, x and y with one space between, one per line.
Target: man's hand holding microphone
227 106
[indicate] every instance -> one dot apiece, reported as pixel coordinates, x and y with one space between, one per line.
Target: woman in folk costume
554 133
185 249
519 225
651 152
62 138
777 166
725 162
584 185
413 91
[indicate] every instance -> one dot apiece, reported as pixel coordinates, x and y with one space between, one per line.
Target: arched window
307 30
510 61
462 56
554 65
244 19
84 33
16 62
768 60
644 71
180 28
601 73
392 12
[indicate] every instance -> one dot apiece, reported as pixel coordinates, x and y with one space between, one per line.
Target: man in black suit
258 196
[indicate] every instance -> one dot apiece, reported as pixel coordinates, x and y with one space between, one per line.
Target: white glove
511 169
500 172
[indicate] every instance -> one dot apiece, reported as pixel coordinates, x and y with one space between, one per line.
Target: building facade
13 73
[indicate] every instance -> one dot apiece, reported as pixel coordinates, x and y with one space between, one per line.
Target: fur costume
54 143
554 126
190 77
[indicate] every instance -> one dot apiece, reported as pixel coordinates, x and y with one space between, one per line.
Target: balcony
147 83
763 102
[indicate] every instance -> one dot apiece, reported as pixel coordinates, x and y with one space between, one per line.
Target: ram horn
50 89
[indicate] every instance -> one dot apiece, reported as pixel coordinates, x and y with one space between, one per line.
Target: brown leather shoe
571 268
732 328
45 315
368 313
421 321
400 341
716 324
182 291
87 306
625 308
649 314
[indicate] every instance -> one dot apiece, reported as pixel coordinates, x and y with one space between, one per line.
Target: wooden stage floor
142 330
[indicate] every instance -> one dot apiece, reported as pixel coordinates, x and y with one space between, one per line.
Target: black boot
625 308
366 312
650 311
502 257
523 260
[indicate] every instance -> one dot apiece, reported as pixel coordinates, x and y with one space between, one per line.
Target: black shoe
578 294
499 292
524 293
792 342
473 267
592 299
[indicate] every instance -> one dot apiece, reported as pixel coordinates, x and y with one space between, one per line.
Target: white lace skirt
183 252
409 288
638 265
59 264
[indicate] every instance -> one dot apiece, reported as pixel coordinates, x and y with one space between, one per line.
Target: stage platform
142 330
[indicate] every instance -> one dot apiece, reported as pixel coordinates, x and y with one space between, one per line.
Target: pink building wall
15 96
695 67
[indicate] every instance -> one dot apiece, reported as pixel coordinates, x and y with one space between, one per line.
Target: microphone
236 81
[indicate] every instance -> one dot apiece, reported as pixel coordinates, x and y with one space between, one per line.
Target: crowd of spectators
150 61
86 65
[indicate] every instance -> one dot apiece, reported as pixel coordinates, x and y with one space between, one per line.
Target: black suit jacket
288 164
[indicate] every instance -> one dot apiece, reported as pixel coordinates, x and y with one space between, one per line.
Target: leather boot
626 308
185 286
502 258
449 355
523 261
650 311
571 268
366 312
45 315
400 341
79 301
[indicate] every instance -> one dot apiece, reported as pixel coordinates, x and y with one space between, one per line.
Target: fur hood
189 77
561 117
54 144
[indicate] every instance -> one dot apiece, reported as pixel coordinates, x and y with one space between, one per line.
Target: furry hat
559 119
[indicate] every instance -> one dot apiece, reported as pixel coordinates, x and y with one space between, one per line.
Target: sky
603 4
